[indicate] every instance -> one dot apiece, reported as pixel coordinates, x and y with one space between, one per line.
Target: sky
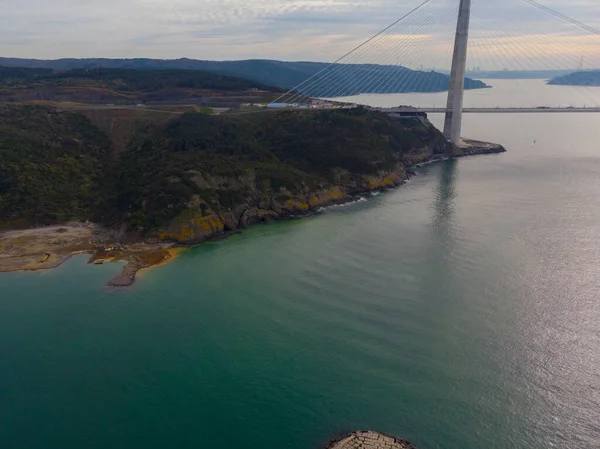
317 30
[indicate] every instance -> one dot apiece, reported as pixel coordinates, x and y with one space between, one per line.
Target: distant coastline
583 78
278 74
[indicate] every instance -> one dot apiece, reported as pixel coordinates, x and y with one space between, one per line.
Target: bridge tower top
453 123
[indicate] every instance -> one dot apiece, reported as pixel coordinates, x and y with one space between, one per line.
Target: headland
154 179
48 247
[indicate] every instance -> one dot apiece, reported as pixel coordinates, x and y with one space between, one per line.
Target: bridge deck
494 110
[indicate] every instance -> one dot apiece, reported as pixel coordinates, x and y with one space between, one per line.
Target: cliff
194 225
200 176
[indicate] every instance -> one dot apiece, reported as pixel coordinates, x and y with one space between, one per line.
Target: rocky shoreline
160 247
257 209
337 196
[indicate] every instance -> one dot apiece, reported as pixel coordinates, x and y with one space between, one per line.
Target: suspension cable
359 46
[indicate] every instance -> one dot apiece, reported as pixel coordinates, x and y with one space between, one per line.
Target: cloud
290 29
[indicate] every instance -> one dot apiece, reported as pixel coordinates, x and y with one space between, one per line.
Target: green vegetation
51 164
124 80
127 86
297 151
18 76
57 166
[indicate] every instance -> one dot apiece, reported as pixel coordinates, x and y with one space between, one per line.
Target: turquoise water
459 311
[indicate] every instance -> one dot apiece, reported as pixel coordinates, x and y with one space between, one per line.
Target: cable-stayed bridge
431 48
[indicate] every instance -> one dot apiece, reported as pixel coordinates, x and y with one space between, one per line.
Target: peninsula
151 179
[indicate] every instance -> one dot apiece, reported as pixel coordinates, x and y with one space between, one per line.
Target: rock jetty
370 440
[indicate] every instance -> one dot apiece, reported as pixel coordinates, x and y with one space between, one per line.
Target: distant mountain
591 78
282 74
347 80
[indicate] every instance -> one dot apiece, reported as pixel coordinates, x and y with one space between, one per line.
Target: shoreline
142 257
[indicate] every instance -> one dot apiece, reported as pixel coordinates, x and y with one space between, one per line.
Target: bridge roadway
497 110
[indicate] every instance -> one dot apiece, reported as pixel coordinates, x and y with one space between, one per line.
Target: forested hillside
51 164
121 86
127 80
57 166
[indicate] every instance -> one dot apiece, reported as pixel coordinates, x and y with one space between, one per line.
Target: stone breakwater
369 440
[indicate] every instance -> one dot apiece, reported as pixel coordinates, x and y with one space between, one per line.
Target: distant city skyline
317 30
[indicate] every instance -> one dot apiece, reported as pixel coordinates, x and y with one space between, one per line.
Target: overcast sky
276 29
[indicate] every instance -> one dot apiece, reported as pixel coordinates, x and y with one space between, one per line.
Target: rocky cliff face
201 221
199 177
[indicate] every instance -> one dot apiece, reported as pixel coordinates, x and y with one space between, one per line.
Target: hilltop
281 74
124 86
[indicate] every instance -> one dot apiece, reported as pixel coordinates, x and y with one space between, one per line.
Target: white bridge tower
454 108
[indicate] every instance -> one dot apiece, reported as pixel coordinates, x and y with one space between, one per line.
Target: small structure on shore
369 440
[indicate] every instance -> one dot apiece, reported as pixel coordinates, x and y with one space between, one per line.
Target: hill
587 78
127 80
121 86
282 74
197 176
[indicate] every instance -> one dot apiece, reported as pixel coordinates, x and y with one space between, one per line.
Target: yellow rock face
196 229
296 205
326 196
188 228
392 179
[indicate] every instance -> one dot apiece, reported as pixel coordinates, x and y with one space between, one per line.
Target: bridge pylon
456 91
